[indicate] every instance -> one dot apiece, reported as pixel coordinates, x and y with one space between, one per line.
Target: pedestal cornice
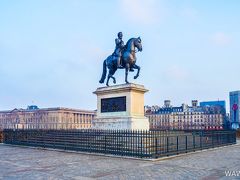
121 88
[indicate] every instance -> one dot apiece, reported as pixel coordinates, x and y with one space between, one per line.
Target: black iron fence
142 144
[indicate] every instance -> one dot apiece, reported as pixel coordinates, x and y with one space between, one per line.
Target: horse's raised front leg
138 70
114 80
126 72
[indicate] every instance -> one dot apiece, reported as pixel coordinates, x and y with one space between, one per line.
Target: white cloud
141 11
221 39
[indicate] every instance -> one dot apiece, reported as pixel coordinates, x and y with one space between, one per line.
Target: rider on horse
125 53
117 54
118 49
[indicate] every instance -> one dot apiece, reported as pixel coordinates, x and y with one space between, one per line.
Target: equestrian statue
123 57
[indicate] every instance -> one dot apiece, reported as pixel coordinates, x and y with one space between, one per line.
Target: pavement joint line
127 157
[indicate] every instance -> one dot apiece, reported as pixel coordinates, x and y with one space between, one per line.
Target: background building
234 109
207 116
214 103
218 107
46 118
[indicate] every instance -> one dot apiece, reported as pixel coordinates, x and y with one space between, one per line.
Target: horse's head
134 43
138 43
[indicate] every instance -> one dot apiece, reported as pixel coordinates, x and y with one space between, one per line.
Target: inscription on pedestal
115 104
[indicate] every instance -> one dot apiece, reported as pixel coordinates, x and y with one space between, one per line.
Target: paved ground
28 163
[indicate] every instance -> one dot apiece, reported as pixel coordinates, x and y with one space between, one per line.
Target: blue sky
51 52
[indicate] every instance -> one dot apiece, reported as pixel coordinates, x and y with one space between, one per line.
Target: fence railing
142 144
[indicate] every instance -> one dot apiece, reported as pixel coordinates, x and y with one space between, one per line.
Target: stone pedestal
121 107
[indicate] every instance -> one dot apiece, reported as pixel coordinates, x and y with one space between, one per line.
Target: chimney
194 103
167 103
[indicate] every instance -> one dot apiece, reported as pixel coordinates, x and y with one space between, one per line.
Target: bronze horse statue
128 61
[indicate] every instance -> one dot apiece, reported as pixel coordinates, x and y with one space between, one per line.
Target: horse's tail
104 72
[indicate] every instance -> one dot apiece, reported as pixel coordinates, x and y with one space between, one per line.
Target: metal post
228 138
141 144
156 148
212 140
26 138
177 144
235 137
167 146
54 140
105 143
194 144
13 136
186 144
43 139
35 139
201 141
65 147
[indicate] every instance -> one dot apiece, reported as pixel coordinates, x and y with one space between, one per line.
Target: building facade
46 118
185 117
234 97
214 104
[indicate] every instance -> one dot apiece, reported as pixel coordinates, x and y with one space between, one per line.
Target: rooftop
35 108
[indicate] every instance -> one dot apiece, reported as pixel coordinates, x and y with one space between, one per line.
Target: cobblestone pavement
28 163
